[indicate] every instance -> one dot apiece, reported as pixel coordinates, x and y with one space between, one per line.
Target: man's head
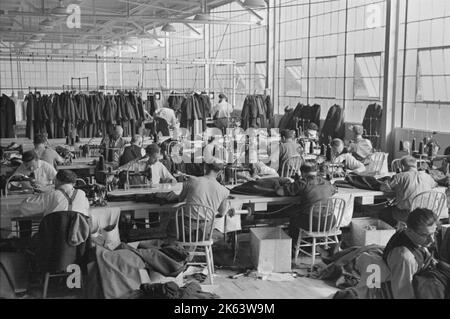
213 169
223 97
337 146
118 132
30 160
408 163
39 141
64 177
137 140
422 225
308 169
447 151
313 127
357 130
287 135
153 153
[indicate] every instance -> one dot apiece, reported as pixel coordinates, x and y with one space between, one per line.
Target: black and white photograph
224 156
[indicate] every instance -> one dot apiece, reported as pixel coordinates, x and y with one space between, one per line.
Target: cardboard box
363 236
270 249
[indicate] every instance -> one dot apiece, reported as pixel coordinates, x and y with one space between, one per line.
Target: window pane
325 77
433 72
367 76
259 76
293 78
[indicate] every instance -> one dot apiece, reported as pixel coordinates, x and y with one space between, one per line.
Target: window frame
425 101
317 77
380 77
302 77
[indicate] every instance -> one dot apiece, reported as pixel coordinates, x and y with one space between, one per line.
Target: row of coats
195 107
58 115
257 112
7 116
301 116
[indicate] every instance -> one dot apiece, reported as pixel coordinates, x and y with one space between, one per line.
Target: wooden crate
270 249
361 236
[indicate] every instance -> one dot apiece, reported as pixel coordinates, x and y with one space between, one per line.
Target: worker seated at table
206 191
211 151
361 148
155 170
64 198
113 145
404 187
288 147
41 173
167 114
222 112
341 156
312 132
445 166
132 152
258 170
407 254
310 189
46 153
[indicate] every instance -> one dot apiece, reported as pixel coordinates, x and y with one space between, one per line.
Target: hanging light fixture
36 38
60 10
255 4
47 24
202 17
168 28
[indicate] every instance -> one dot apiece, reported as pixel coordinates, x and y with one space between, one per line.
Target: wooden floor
250 287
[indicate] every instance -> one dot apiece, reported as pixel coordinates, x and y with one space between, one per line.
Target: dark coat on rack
334 124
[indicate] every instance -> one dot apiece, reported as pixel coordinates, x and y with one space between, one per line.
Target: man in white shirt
42 172
351 164
405 186
155 170
222 112
45 153
168 115
361 148
64 198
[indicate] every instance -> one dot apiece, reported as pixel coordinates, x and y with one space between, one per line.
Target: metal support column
390 75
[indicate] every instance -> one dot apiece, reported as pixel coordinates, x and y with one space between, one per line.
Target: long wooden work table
9 208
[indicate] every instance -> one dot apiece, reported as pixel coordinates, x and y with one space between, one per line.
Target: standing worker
222 112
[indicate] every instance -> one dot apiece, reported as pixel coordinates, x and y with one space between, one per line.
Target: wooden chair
291 166
431 200
324 234
396 166
197 225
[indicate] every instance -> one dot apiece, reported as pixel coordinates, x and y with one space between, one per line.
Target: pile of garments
84 115
334 125
372 123
257 112
7 116
116 273
171 290
301 116
195 109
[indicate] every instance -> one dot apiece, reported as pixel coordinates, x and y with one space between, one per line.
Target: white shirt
159 171
55 201
223 109
168 115
351 163
44 174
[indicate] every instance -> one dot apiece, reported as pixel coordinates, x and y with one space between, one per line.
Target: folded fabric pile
171 290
